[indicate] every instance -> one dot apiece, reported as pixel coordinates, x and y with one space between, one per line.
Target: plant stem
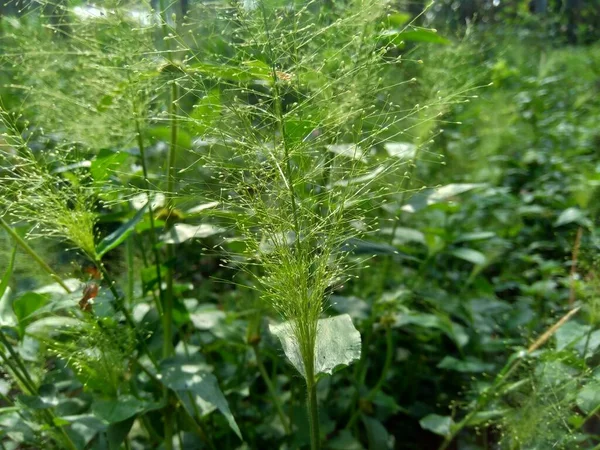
313 413
140 142
22 374
169 294
272 392
130 270
169 297
121 307
31 252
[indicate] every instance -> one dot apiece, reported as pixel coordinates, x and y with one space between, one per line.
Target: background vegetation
292 224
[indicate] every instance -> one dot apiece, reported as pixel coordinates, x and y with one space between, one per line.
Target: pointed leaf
437 424
120 234
7 316
123 408
182 232
192 382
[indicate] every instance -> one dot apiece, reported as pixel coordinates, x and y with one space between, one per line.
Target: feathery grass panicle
30 191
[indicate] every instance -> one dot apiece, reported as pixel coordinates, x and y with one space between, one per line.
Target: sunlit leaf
338 344
118 236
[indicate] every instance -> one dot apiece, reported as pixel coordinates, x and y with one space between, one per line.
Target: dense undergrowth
207 216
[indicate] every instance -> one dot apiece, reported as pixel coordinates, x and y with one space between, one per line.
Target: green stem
121 308
31 252
169 294
313 413
22 374
272 391
130 270
153 242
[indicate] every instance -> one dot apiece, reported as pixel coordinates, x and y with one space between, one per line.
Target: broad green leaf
206 112
355 307
182 232
83 429
351 151
452 190
397 19
8 272
53 325
399 37
475 236
403 235
401 150
470 255
45 399
588 398
141 200
184 140
377 436
118 236
337 344
344 441
107 162
206 317
7 316
441 323
572 215
26 305
196 387
430 197
437 424
118 410
199 208
469 365
423 36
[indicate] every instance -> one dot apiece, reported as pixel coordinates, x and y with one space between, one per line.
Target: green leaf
443 324
351 151
196 387
572 215
401 150
337 344
7 316
377 436
8 272
120 234
184 140
182 232
437 424
344 441
26 305
588 398
469 255
424 36
397 19
107 162
48 326
430 197
399 37
45 399
469 365
123 408
207 317
206 112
